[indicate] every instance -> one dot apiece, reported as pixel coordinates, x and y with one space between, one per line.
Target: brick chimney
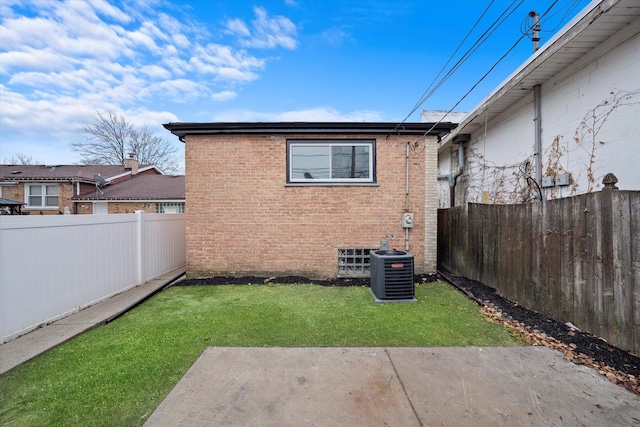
131 163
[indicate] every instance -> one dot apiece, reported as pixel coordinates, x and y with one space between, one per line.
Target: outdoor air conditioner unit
391 276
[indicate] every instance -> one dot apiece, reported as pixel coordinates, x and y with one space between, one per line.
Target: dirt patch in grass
619 366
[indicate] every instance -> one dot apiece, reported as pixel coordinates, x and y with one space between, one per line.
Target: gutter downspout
406 199
452 178
537 106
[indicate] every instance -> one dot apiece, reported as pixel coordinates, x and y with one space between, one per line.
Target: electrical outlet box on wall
547 181
562 179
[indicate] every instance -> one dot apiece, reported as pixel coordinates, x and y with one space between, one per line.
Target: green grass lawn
118 373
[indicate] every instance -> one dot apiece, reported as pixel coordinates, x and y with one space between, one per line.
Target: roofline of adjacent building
182 129
74 179
125 199
569 32
142 169
18 178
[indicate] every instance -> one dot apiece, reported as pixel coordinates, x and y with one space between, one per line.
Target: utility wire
477 83
483 38
417 105
487 73
525 27
479 42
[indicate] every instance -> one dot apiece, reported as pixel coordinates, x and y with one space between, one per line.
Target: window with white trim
41 196
331 161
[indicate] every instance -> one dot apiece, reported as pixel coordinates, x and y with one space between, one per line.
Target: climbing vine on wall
552 166
504 183
587 134
513 182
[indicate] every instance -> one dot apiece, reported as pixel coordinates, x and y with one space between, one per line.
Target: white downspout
452 178
537 106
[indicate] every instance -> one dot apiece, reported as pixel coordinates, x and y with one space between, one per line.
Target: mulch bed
225 280
619 366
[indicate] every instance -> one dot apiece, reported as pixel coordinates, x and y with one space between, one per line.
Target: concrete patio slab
531 386
287 387
515 386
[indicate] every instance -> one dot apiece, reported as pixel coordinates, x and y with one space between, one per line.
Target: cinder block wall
431 206
243 218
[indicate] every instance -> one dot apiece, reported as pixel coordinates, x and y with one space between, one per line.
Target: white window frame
292 144
43 196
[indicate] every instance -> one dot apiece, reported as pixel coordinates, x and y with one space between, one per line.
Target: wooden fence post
608 273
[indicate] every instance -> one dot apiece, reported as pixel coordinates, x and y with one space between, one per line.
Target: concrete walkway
516 386
26 347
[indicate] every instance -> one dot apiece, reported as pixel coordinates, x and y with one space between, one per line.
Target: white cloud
111 11
225 95
180 90
336 36
148 118
33 59
63 60
266 32
20 31
316 114
156 72
225 63
238 27
273 32
181 40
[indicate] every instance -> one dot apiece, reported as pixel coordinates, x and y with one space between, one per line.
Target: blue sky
158 61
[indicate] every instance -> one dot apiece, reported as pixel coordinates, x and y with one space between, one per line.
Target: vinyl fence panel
52 266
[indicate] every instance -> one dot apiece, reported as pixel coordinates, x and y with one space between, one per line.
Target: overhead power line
488 72
479 42
415 107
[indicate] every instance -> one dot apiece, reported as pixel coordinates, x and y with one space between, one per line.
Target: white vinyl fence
52 266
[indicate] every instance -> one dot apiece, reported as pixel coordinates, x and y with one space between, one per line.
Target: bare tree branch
22 159
110 138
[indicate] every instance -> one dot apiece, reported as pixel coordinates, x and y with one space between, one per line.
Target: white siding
605 82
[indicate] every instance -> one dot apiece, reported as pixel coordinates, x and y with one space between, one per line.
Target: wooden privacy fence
575 259
52 266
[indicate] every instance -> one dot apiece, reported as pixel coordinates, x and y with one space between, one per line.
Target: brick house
47 190
307 198
147 192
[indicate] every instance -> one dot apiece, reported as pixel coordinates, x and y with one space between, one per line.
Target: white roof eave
527 70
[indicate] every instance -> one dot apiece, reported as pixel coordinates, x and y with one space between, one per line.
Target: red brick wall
86 207
65 193
131 207
243 218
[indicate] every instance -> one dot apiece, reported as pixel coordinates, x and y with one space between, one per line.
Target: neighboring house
307 198
565 118
51 189
148 192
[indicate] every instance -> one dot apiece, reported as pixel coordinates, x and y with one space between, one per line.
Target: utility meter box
407 220
562 179
547 181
